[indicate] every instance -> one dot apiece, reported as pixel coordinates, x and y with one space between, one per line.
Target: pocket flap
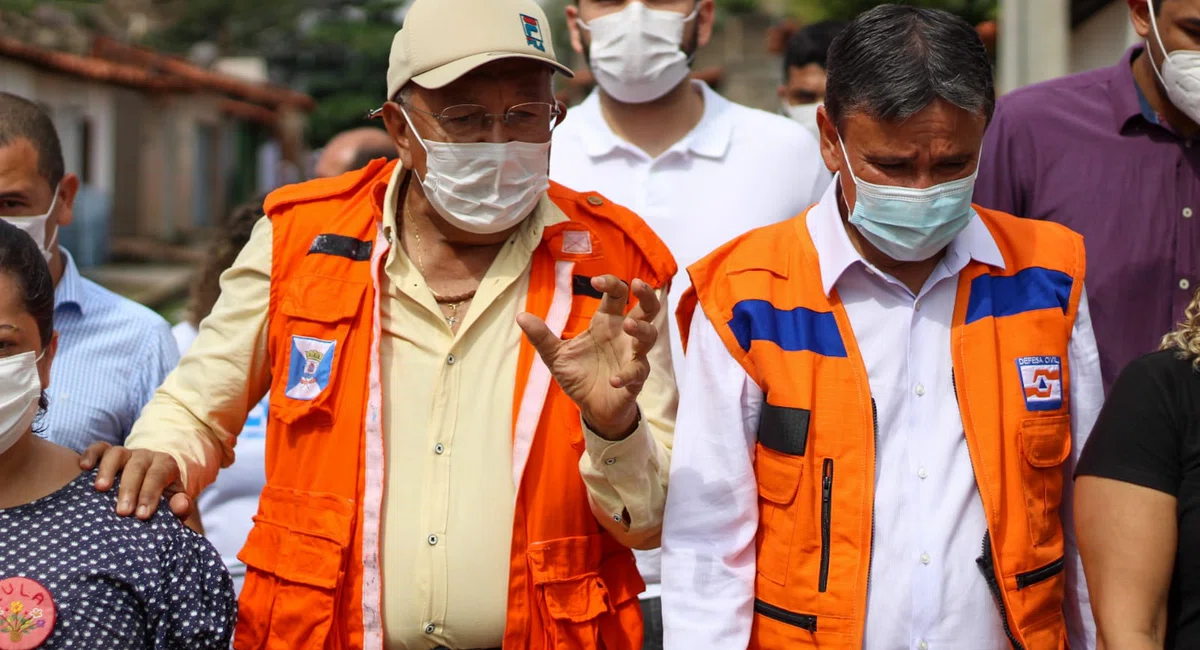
322 299
567 558
578 600
778 475
1046 442
300 536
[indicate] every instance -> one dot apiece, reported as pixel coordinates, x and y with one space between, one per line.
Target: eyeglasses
531 121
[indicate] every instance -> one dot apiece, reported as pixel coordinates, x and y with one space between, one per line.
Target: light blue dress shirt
112 355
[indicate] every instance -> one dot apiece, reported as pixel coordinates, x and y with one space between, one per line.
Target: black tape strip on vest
341 246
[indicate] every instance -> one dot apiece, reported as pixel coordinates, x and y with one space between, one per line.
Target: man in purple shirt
1111 154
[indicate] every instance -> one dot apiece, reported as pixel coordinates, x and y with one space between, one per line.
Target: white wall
70 101
1034 45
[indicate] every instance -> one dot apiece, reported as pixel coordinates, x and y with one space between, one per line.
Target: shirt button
922 474
440 449
450 360
610 461
1187 213
429 629
433 540
1184 284
917 306
920 390
924 645
617 518
925 559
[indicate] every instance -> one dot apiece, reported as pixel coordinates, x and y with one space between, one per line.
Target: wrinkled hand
603 369
146 476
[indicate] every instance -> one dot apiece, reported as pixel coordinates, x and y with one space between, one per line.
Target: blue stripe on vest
793 330
1029 290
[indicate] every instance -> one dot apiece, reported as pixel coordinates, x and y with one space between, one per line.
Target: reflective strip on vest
372 506
534 397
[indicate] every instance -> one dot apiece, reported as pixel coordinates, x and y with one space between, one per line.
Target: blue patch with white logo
311 364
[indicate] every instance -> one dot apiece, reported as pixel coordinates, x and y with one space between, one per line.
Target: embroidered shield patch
1041 379
27 614
312 361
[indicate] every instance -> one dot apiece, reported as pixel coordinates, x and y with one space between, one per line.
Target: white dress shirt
926 592
738 169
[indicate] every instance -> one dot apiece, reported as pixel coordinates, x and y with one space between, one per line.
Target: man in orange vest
884 397
434 478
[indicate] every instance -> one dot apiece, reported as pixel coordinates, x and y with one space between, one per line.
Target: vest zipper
875 453
988 568
826 516
1030 578
802 621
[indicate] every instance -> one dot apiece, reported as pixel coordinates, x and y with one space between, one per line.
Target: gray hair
893 61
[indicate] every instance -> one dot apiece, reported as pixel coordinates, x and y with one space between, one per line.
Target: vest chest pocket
1045 446
318 312
778 477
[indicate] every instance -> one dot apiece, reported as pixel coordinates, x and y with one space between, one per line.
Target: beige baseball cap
444 39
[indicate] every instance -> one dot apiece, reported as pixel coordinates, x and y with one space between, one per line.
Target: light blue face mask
910 224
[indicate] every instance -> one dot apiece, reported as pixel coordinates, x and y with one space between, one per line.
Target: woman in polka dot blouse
72 573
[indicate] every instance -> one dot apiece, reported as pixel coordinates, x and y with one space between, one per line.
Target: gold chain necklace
453 302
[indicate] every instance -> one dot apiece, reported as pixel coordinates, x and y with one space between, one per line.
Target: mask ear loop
1161 47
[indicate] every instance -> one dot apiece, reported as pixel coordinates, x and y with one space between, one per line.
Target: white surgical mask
635 53
35 227
805 115
1180 74
20 391
484 187
911 224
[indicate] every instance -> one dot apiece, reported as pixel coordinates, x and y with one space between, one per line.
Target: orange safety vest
313 556
815 456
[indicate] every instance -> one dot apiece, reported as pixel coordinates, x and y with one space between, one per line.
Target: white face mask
20 391
1180 74
35 227
805 115
635 53
484 187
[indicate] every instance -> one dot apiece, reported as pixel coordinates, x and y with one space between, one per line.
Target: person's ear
400 133
574 29
1139 15
706 18
831 149
68 189
47 361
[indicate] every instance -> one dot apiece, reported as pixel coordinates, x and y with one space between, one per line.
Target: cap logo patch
533 33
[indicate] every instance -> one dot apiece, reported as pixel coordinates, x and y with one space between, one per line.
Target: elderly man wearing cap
434 478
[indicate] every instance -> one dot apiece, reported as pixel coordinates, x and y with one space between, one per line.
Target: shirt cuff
617 459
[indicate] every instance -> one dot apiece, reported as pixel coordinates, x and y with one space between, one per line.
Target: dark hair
231 236
23 119
811 45
894 61
364 156
21 259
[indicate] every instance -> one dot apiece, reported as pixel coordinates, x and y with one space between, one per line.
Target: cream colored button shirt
449 498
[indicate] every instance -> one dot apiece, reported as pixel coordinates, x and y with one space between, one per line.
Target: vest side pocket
580 593
294 558
1045 445
778 478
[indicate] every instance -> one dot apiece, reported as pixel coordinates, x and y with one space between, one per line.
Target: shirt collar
1128 100
70 287
710 138
836 254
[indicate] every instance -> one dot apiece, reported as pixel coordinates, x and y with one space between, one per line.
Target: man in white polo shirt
698 168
